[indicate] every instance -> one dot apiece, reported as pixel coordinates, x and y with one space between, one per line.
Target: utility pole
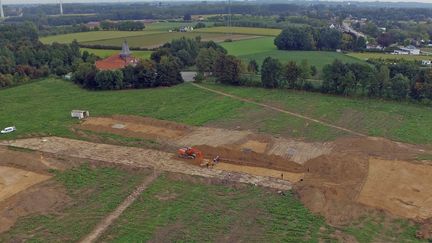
229 17
61 7
2 16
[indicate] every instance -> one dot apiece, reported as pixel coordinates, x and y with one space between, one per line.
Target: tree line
309 38
122 25
23 57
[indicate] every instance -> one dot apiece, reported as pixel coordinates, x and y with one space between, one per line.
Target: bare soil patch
402 188
132 126
44 198
250 159
14 180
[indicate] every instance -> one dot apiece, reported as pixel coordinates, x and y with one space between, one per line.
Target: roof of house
115 62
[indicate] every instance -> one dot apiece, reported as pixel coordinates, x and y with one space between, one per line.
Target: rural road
281 110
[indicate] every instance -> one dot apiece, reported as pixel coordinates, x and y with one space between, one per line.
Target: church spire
125 50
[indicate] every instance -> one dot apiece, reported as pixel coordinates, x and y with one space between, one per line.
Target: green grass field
94 36
158 39
242 30
43 108
366 56
103 53
400 121
94 193
260 48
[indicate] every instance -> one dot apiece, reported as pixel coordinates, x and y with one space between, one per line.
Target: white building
426 62
408 50
80 114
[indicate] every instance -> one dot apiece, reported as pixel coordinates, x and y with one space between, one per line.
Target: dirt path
139 157
106 222
281 110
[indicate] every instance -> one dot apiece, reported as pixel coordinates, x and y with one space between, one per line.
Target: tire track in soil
280 110
107 221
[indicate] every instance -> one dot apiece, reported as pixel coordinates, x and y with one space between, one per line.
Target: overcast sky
94 1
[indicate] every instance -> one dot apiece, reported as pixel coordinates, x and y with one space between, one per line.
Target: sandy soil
407 187
14 180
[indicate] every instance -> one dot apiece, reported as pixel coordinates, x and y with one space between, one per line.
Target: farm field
260 48
242 30
93 36
158 39
366 56
103 53
49 106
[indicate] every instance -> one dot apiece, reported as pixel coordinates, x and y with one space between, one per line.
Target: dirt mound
250 158
331 184
44 198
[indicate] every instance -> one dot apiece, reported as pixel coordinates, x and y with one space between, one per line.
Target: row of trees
308 38
23 57
122 25
146 74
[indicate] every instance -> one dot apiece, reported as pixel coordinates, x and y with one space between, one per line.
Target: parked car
8 130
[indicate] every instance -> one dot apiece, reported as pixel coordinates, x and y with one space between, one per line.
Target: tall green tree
271 73
227 69
295 38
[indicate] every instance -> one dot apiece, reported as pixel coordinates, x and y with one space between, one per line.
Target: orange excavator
190 153
197 155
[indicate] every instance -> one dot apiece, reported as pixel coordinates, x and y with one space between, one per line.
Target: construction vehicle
195 154
190 153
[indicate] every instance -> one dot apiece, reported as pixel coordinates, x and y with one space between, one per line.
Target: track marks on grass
282 111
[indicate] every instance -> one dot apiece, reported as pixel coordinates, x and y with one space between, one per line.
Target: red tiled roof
115 62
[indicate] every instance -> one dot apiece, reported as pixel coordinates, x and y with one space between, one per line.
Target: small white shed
80 114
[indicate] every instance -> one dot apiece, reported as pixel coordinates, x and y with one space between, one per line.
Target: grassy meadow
260 48
93 36
242 30
103 53
43 108
370 55
158 39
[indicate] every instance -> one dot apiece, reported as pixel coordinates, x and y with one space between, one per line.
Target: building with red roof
117 61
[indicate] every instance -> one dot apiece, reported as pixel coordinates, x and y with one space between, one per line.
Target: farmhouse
118 61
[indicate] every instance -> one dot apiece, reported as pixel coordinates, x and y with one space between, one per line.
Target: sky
94 1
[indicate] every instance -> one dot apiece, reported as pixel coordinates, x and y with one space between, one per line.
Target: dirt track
140 158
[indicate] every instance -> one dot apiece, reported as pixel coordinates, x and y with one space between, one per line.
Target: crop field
242 30
47 107
260 48
103 53
155 40
366 56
